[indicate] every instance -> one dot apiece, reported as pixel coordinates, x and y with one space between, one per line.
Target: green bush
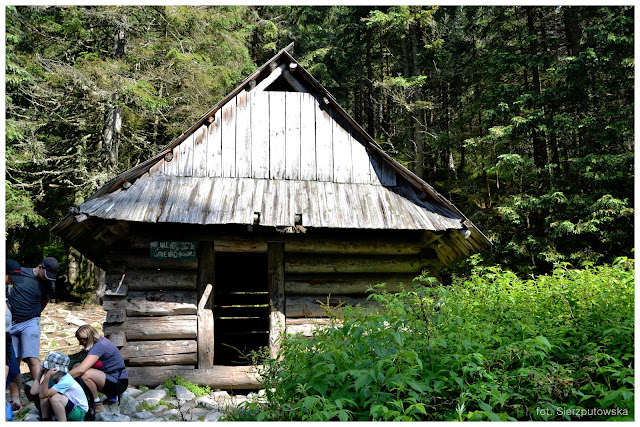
492 347
193 388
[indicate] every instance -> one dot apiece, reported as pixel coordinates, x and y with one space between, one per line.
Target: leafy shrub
492 347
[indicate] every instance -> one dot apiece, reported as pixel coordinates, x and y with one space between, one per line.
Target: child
59 391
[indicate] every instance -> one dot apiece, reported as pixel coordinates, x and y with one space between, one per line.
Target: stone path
59 324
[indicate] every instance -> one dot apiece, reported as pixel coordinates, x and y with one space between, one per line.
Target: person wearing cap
27 299
59 392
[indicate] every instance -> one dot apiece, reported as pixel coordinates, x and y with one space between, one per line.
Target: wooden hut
274 201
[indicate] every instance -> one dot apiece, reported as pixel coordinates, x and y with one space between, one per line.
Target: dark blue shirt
110 357
25 299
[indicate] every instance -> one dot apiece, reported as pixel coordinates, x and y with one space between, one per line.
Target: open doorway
241 306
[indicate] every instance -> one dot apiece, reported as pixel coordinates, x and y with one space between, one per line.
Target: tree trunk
74 265
540 156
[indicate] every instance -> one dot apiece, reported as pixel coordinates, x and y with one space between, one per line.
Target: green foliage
193 388
492 347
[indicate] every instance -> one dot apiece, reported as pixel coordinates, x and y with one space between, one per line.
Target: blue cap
14 270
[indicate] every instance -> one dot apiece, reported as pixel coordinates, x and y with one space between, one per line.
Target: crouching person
102 370
59 392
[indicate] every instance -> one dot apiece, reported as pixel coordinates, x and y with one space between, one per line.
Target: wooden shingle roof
280 148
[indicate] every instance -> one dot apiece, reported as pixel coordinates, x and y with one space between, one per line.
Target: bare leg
45 409
94 379
58 403
34 366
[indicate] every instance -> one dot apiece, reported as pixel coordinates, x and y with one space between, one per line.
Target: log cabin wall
335 273
152 310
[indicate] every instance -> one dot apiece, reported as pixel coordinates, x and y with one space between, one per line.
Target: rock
220 395
31 417
128 404
152 397
74 320
172 413
188 406
207 401
159 409
161 387
144 415
133 392
213 416
110 416
172 402
182 393
196 414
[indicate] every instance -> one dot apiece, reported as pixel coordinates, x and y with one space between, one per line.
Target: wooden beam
295 83
309 263
155 328
151 280
275 261
143 353
222 377
344 284
206 276
315 306
264 84
154 303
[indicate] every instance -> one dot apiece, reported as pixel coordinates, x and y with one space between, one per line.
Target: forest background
521 116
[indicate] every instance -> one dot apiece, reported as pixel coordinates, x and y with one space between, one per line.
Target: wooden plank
275 74
229 139
308 136
342 160
324 144
222 377
275 271
260 134
214 146
292 135
166 359
186 157
118 338
243 135
240 246
349 217
341 284
332 213
258 193
158 348
156 328
241 311
154 303
240 325
206 277
299 306
200 151
147 280
241 298
361 166
308 263
375 163
369 245
172 167
241 212
277 143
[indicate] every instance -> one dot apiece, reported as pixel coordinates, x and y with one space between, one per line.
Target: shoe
110 400
99 407
16 406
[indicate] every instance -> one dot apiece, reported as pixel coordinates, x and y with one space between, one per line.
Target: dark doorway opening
241 306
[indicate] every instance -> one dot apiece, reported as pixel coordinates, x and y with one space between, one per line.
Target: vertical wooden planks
214 146
200 151
243 135
275 261
342 160
260 135
361 167
324 144
292 136
205 284
229 139
186 157
277 143
308 136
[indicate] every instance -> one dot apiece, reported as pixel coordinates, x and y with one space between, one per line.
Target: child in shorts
58 391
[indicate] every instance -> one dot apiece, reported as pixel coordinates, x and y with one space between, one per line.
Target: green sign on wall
171 249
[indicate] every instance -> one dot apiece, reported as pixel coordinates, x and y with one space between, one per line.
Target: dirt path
60 321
